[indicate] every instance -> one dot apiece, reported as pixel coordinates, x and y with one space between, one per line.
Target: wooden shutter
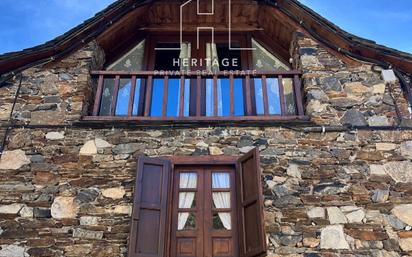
148 230
250 206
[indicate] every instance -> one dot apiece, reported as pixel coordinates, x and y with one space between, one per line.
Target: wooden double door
204 217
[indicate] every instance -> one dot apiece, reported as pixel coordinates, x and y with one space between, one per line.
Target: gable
279 19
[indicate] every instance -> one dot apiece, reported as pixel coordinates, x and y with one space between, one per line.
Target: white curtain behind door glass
222 199
187 180
212 55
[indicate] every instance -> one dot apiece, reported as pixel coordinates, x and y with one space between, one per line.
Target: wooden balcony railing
221 96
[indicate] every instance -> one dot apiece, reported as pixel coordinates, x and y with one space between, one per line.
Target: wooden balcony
244 96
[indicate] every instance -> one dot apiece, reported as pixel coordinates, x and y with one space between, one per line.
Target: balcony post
98 98
282 96
298 95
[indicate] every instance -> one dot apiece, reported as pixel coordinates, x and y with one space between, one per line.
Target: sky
388 22
27 23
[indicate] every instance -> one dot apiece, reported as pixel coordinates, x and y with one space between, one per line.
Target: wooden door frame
187 161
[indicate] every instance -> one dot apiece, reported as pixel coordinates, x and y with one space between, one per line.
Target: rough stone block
64 208
332 237
13 160
87 234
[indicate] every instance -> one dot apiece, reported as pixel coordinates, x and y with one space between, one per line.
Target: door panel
214 208
220 212
149 216
250 206
186 247
187 231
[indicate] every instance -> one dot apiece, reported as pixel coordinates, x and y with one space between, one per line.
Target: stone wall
58 93
345 93
69 192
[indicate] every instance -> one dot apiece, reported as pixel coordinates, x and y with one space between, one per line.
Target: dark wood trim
197 118
182 96
142 96
282 96
115 95
298 94
198 96
202 160
215 97
248 96
165 95
265 96
251 66
232 95
252 73
98 97
148 98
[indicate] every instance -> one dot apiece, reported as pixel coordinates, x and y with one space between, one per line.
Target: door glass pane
222 221
289 96
186 221
187 200
157 98
122 104
106 103
221 200
188 180
273 96
220 180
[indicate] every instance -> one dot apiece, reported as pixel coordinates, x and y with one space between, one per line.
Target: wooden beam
98 98
115 95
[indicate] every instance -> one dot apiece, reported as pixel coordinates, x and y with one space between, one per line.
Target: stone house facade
337 183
